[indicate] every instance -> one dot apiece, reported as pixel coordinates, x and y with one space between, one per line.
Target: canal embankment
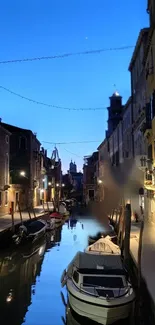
141 261
10 223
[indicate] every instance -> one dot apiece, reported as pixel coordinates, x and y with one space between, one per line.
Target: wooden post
117 215
34 212
140 251
12 216
21 218
29 213
121 229
127 232
43 206
47 206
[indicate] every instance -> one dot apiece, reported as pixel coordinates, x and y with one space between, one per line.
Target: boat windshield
106 282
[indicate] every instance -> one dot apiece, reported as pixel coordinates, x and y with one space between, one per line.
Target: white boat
51 224
99 287
104 246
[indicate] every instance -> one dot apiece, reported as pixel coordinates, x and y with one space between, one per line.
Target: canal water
30 288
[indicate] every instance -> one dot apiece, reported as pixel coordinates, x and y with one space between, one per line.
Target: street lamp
100 181
63 185
57 184
49 183
22 173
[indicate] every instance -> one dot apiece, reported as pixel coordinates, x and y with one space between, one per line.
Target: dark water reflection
30 277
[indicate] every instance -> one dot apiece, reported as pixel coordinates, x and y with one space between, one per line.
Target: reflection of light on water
9 297
41 250
52 238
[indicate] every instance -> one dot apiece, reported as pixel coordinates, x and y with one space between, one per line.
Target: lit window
6 198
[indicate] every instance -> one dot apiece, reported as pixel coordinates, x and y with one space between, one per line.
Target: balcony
141 162
149 182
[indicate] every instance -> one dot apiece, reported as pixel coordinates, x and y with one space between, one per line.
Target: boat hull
97 309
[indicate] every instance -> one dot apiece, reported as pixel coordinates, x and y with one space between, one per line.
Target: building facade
90 177
139 119
149 127
25 166
4 170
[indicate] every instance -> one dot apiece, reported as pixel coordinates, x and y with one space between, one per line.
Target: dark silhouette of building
114 113
72 167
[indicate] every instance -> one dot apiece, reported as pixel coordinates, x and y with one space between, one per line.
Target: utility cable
61 56
74 142
49 105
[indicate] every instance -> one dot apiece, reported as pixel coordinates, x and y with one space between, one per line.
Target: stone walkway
148 254
6 220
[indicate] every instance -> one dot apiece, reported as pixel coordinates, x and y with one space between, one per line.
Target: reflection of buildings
16 290
54 237
71 223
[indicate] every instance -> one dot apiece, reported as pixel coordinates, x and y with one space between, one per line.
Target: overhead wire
72 153
72 142
61 56
49 105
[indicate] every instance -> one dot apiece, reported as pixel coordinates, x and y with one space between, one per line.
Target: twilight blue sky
35 28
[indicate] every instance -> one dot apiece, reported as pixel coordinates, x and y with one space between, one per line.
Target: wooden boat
103 246
30 232
99 288
57 218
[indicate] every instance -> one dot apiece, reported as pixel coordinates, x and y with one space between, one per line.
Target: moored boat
99 287
104 246
30 232
56 216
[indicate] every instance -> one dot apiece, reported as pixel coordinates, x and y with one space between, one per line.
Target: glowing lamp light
9 297
41 190
63 185
57 184
49 183
22 173
100 181
43 179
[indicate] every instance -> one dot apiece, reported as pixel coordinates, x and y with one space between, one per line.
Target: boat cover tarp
89 261
35 226
104 246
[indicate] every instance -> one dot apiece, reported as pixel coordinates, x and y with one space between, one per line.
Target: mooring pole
12 216
127 220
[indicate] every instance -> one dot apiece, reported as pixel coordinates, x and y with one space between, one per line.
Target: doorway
16 201
91 195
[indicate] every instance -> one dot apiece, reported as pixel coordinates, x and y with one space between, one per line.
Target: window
7 169
6 198
22 143
0 198
7 139
76 276
107 282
